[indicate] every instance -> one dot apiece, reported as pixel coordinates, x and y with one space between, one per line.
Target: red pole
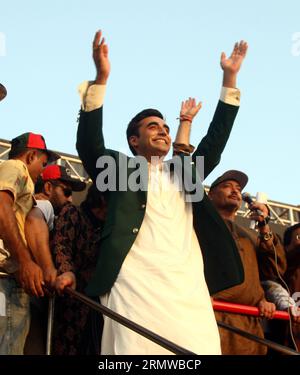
246 310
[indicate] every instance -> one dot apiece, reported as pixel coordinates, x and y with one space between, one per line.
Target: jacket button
135 230
143 206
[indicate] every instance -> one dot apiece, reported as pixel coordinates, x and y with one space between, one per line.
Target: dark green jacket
126 209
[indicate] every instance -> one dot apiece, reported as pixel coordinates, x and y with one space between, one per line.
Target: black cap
238 176
31 140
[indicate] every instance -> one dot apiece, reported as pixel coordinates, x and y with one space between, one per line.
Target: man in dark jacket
150 267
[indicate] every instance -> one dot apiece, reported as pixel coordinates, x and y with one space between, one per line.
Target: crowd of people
158 251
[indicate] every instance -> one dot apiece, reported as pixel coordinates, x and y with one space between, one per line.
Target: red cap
31 140
58 172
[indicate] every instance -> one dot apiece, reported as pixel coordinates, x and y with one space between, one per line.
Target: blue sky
161 52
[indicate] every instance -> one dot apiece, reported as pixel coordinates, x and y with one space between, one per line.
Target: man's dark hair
13 154
287 237
39 186
134 124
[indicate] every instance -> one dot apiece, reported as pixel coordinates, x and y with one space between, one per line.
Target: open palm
100 56
189 108
234 61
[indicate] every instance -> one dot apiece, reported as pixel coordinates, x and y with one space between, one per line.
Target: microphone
248 199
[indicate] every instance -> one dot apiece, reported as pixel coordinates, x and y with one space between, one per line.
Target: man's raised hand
234 61
232 64
189 109
100 56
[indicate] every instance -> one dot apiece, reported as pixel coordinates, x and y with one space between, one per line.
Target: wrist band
185 118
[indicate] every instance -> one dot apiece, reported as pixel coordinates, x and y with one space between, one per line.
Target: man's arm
37 236
67 228
90 141
64 280
266 308
270 252
188 111
29 274
232 65
213 144
100 56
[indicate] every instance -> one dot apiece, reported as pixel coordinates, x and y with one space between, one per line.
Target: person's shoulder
47 210
68 209
13 164
69 214
14 176
44 204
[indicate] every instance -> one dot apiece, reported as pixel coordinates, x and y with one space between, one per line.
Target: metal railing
172 347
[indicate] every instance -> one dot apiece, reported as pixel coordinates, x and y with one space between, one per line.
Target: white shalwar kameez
161 283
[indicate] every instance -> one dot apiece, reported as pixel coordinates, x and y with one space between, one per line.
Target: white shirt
161 284
47 210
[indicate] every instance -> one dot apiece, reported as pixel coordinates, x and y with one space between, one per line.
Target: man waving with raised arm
161 255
